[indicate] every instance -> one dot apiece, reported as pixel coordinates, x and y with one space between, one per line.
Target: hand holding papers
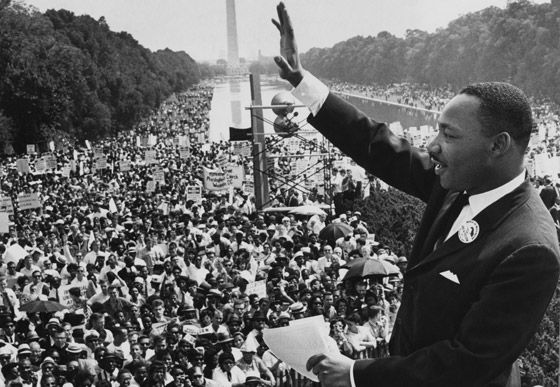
299 341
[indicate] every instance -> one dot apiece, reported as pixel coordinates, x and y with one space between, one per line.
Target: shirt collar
482 200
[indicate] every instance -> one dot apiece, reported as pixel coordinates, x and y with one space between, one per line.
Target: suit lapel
487 220
436 201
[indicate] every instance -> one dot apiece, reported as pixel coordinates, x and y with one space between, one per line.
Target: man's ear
502 144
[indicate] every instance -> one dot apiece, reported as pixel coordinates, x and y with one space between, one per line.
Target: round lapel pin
468 231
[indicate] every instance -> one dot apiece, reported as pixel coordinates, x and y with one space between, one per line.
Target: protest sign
50 161
66 171
100 163
152 140
150 157
214 180
125 165
64 293
221 160
159 176
194 193
28 201
113 206
242 148
40 165
4 223
159 328
22 166
184 153
6 205
151 186
258 288
234 174
98 152
248 187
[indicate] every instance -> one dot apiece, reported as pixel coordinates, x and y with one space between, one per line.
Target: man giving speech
485 261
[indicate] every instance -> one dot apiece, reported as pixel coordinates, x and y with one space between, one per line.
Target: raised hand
288 62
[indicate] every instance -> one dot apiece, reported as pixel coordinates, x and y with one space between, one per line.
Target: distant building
233 49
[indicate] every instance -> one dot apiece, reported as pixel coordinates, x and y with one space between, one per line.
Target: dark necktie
229 376
443 222
449 218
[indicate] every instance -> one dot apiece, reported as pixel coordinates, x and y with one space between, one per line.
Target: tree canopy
518 44
71 75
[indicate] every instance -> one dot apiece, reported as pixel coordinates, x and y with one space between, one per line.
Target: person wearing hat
10 335
47 368
227 373
36 352
91 339
253 365
297 309
255 381
258 321
74 354
110 362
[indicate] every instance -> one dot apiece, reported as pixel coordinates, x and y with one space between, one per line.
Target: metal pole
259 153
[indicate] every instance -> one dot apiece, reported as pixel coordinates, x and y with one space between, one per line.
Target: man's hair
503 108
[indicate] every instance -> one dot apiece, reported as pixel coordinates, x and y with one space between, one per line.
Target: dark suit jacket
447 333
548 195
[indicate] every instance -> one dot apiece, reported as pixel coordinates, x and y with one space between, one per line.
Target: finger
287 23
277 25
283 64
280 10
313 361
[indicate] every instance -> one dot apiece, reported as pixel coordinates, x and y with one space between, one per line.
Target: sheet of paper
296 343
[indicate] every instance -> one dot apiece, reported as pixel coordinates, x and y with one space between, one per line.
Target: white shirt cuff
311 92
352 381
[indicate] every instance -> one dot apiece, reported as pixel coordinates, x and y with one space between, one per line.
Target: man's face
144 344
158 310
160 345
136 351
361 290
60 339
461 151
25 369
113 293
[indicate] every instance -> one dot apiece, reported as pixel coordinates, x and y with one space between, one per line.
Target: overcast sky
199 26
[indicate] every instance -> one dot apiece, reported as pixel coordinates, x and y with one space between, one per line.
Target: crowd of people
157 289
109 283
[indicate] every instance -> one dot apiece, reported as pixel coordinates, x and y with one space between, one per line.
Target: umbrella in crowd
42 306
365 267
334 231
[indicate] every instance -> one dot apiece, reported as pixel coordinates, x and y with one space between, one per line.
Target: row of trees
518 44
68 75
